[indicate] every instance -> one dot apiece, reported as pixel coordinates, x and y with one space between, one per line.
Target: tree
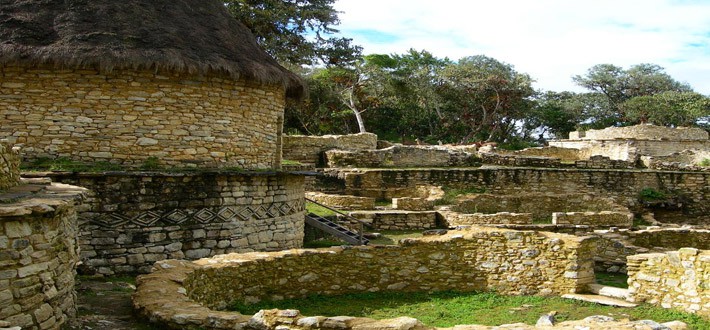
668 108
617 86
485 98
296 31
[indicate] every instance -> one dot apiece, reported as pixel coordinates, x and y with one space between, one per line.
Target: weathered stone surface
38 255
404 156
131 117
309 149
9 166
133 219
412 204
345 202
676 279
397 220
415 265
594 219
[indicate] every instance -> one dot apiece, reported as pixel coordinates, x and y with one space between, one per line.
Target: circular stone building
130 82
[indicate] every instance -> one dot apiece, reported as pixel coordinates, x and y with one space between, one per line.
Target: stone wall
398 220
9 166
481 259
128 117
38 255
629 150
677 279
412 204
454 219
688 160
541 205
521 161
621 186
594 219
403 156
564 154
309 149
642 132
345 202
135 218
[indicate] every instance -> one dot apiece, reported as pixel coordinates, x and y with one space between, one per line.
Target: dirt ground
105 303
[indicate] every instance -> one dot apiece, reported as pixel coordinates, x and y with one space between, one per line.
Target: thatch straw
191 36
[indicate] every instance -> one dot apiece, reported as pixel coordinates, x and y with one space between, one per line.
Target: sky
551 40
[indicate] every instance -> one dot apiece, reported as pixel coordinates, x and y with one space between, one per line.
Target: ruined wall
676 279
564 154
397 220
403 156
453 219
622 187
594 219
309 149
412 204
38 255
540 205
9 166
642 132
134 219
127 117
509 262
344 202
688 160
629 150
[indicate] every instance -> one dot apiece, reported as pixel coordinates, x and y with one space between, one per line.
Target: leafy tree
617 86
296 31
485 98
669 108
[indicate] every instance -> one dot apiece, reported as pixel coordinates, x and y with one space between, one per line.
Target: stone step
609 291
599 299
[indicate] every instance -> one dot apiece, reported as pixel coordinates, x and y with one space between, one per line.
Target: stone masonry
508 262
133 219
38 254
129 117
9 166
309 149
676 279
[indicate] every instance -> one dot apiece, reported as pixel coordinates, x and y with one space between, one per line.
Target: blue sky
551 40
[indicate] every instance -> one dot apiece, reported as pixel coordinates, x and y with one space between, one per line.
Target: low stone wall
614 246
136 218
470 260
38 255
686 160
345 202
564 154
412 204
642 132
671 238
453 219
629 150
620 186
594 219
309 149
540 205
403 156
9 166
398 220
518 160
603 162
677 279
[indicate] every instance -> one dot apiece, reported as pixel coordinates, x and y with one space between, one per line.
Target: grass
450 194
319 210
290 162
612 279
66 164
446 309
640 222
705 162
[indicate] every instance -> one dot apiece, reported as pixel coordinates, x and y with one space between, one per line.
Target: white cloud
551 40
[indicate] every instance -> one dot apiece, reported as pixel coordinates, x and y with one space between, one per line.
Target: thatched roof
192 36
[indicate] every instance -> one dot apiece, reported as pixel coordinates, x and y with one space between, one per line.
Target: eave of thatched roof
190 36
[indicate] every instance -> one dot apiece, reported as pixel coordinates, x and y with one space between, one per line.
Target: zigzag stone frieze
203 215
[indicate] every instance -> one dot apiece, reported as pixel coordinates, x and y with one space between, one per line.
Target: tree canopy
296 32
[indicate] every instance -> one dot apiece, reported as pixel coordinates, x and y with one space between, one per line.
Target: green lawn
446 309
